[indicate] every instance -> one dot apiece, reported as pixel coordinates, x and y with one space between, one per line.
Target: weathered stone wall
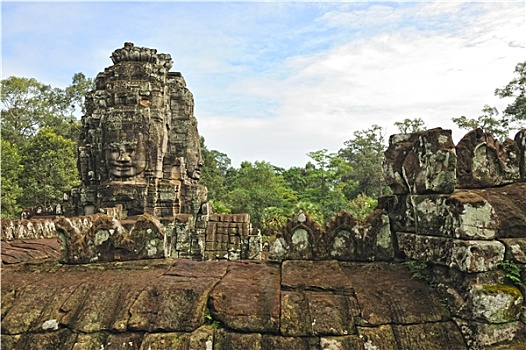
462 211
220 237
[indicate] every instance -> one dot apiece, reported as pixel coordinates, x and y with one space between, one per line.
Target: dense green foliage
39 135
11 170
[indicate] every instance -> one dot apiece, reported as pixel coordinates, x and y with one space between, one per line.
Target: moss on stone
503 288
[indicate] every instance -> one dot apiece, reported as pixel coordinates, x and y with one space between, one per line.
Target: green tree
36 116
49 168
28 105
10 174
410 125
515 112
489 121
514 115
74 93
365 153
258 186
361 206
327 183
215 175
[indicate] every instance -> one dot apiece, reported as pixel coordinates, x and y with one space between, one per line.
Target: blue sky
275 80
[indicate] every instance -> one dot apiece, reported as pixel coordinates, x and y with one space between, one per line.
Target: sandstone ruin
142 263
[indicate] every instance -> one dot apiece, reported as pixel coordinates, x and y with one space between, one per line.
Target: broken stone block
485 162
498 303
511 335
422 162
462 214
510 206
465 255
400 211
515 249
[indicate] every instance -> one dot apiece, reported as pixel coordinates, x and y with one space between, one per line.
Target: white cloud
273 81
434 75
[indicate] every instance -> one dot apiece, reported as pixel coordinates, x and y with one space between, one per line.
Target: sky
273 81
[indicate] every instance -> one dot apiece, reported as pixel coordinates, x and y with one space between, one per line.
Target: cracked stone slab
324 275
387 294
247 298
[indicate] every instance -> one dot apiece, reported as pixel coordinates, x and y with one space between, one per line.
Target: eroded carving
139 144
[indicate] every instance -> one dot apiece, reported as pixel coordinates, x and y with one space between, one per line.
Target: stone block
61 339
485 162
349 342
464 255
171 307
236 341
388 295
128 341
511 335
515 249
162 341
247 298
422 162
315 275
438 335
25 313
463 215
306 313
498 303
510 207
400 211
270 342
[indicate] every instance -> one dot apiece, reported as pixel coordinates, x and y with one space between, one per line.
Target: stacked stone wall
461 210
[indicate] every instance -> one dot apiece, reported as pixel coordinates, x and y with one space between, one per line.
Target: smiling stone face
126 158
139 144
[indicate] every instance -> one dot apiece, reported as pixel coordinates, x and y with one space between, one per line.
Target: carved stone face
194 164
126 158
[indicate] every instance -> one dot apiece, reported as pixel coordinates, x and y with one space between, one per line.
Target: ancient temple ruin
139 144
140 161
142 262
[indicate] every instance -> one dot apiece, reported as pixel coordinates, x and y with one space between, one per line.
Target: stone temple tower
139 144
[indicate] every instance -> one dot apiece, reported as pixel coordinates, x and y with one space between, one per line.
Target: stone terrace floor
183 304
